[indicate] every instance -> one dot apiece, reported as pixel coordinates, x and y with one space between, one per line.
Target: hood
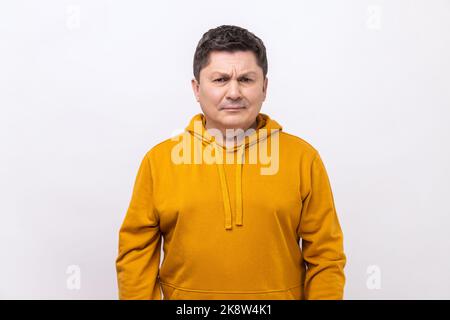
270 127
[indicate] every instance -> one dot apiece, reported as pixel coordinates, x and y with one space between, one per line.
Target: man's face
231 91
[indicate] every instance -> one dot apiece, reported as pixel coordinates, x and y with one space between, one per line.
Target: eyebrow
226 74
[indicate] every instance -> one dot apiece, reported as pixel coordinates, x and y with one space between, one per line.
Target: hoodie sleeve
322 238
137 264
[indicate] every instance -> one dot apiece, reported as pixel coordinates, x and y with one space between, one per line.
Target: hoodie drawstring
225 192
239 185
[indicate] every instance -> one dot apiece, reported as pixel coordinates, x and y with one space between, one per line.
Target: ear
265 84
195 88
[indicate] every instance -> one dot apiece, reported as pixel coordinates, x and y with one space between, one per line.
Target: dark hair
228 38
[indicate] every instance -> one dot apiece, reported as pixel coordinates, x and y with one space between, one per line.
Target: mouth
233 108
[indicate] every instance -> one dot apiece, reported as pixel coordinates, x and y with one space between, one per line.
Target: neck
229 140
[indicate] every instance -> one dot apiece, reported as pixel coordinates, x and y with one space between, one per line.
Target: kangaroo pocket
171 292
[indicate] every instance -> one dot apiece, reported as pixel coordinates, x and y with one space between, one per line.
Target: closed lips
233 107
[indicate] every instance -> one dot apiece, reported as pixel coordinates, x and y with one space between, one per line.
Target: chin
233 122
233 119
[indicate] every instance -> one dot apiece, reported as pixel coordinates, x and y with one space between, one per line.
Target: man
232 196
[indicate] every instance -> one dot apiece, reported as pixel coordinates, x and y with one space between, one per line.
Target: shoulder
298 145
164 148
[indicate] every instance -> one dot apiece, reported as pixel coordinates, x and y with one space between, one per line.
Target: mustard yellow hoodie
231 229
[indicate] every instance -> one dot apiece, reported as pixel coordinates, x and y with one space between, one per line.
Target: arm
137 264
322 238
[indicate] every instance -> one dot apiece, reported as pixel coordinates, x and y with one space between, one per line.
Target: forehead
224 61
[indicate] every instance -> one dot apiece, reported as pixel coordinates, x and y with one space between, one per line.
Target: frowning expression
231 90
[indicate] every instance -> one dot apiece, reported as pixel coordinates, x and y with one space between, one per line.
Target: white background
87 87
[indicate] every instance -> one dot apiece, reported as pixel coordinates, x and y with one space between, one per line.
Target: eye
247 80
220 80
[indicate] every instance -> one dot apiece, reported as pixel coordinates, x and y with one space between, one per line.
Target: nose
234 92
